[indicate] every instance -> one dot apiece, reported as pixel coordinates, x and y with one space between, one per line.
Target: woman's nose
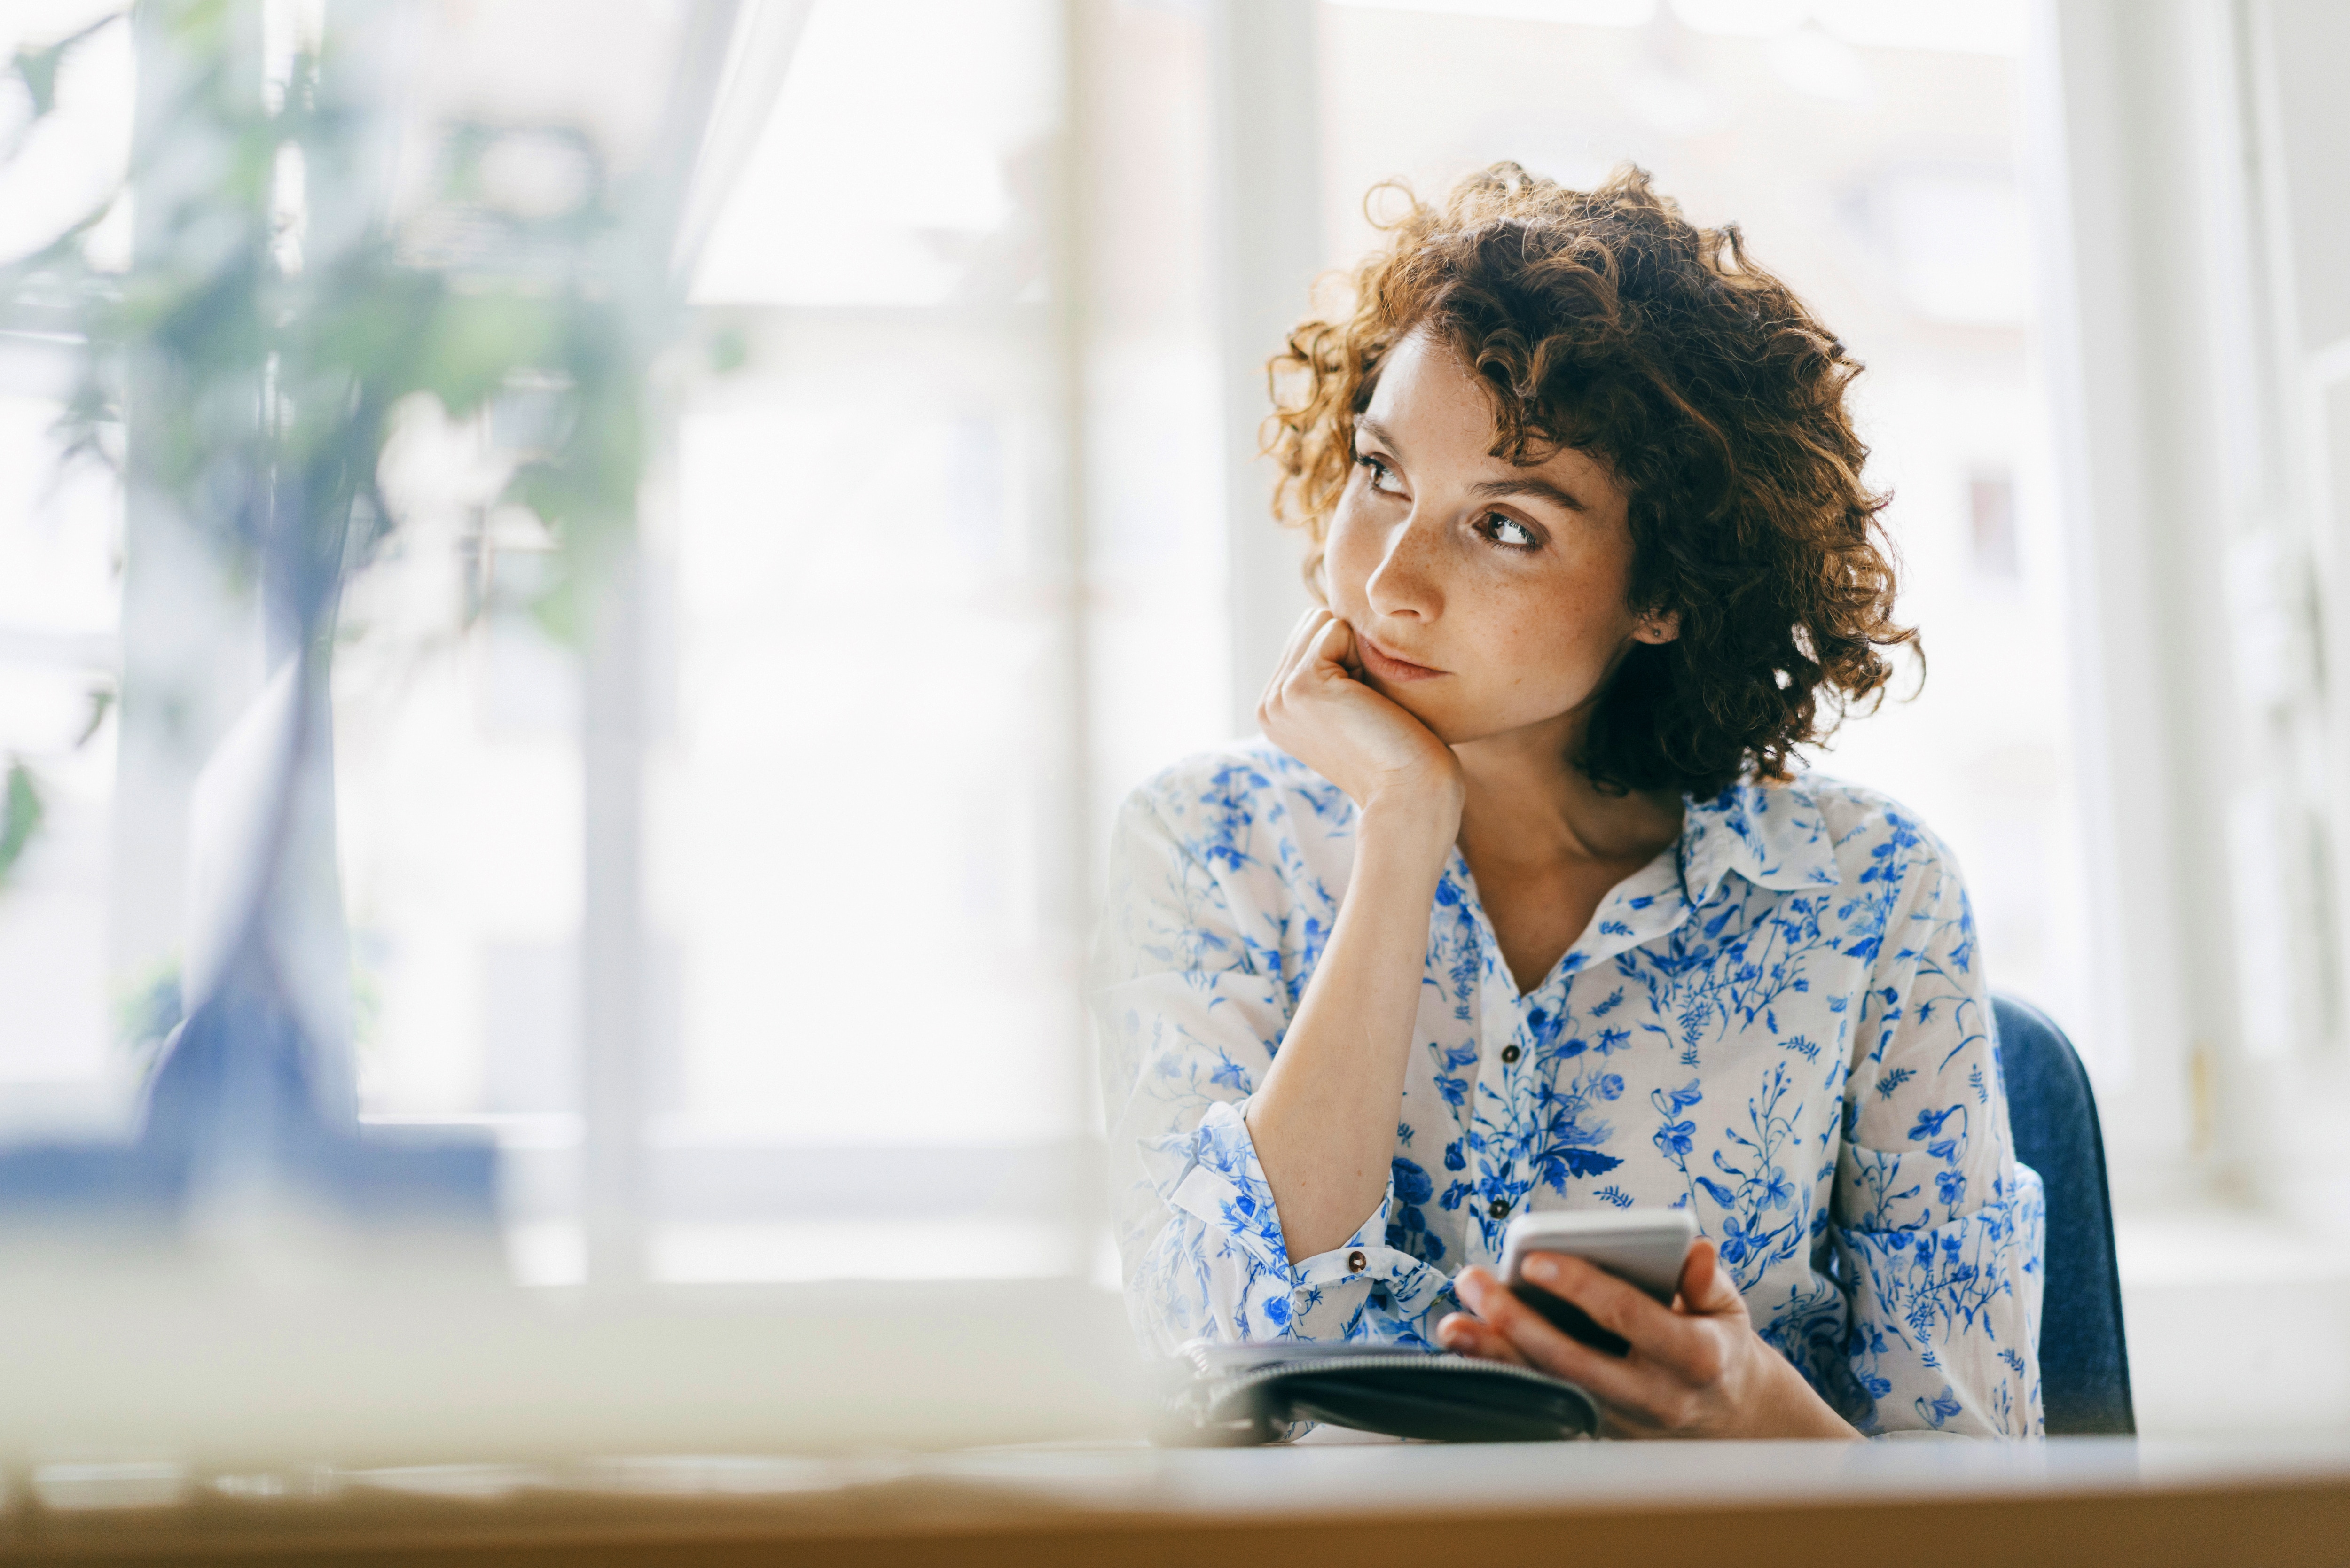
1405 584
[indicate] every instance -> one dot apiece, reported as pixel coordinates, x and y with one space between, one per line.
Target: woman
1522 906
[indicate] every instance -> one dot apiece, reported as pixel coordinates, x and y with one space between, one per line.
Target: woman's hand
1315 709
1695 1369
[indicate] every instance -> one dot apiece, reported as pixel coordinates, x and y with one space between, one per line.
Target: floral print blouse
1781 1024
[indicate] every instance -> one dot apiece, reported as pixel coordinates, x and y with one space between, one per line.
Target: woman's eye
1508 531
1380 473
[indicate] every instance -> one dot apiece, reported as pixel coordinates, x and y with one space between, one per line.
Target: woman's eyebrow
1366 426
1532 485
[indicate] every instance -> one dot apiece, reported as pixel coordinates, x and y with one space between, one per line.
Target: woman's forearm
1324 1119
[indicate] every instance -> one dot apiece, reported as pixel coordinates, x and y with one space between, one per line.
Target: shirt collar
1774 837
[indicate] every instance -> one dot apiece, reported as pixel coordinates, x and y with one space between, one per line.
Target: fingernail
1541 1269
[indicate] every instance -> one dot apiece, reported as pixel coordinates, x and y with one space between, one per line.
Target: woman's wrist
1423 820
1798 1411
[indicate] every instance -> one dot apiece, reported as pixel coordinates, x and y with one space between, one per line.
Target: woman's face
1485 597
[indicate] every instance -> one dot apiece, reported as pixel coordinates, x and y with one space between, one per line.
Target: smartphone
1646 1247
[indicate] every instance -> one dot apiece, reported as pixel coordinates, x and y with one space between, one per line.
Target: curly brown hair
1605 321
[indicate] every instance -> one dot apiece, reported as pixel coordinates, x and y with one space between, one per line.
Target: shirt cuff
1211 1174
1945 1318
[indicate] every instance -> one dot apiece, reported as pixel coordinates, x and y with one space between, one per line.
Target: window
952 535
913 621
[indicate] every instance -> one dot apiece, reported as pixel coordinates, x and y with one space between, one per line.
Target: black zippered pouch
1236 1396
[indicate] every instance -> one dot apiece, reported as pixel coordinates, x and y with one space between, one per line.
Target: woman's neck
1527 801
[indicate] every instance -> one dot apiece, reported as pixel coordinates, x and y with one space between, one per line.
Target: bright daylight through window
859 583
686 676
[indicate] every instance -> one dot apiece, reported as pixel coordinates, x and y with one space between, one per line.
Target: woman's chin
1438 705
1457 728
1440 718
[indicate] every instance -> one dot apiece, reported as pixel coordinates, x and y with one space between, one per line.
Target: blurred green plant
147 1008
23 806
245 368
21 810
274 314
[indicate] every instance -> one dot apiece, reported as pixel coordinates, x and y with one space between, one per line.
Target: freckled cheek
1552 648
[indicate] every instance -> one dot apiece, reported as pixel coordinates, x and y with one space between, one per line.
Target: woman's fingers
1300 638
1331 645
1309 625
1319 659
1706 1287
1655 1331
1346 655
1538 1345
1466 1336
1619 1307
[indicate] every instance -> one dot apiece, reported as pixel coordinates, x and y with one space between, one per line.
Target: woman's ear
1658 625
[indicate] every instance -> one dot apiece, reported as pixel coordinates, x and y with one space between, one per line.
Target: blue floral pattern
1781 1023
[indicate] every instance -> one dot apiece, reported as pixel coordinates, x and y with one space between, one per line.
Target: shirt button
1500 1208
1357 1263
1509 1053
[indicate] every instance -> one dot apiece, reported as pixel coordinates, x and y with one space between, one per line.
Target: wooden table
2072 1503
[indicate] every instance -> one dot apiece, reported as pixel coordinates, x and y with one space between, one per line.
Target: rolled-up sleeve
1189 1006
1938 1231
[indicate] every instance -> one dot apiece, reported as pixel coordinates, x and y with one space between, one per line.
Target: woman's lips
1387 666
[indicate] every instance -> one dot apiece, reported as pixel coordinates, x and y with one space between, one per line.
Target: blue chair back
2084 1356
